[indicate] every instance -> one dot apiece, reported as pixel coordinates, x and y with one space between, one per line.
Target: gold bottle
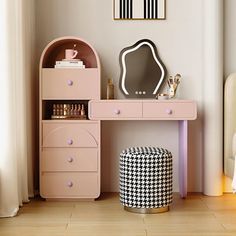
110 89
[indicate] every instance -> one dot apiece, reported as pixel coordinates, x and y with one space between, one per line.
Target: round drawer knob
70 82
70 159
169 111
69 141
69 184
117 111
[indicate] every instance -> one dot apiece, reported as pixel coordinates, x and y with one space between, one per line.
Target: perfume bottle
82 112
110 89
79 110
54 110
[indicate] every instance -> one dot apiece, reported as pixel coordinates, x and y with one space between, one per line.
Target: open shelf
65 109
56 52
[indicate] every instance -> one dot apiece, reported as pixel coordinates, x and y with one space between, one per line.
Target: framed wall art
139 9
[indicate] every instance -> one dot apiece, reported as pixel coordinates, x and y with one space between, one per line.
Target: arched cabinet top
55 51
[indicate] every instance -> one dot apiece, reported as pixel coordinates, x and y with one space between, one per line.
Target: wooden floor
196 215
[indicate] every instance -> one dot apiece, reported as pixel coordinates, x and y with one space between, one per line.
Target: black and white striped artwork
139 9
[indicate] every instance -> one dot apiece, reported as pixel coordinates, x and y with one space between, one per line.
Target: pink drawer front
115 110
70 135
69 185
170 110
69 159
70 83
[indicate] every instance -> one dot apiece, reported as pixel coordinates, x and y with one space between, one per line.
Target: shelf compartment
56 52
59 109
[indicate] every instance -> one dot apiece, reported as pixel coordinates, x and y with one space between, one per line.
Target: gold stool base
147 210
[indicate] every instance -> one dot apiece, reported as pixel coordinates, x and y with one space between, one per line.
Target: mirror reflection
142 71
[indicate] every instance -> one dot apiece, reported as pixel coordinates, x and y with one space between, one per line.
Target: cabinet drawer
70 135
69 159
115 110
63 185
70 83
170 110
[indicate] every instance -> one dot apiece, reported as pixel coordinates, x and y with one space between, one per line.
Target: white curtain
16 104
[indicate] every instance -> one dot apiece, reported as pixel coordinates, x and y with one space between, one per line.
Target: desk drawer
115 110
70 135
63 185
70 84
170 110
69 159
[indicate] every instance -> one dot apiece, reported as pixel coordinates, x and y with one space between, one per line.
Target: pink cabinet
69 148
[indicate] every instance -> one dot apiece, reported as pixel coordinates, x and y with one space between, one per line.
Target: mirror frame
156 57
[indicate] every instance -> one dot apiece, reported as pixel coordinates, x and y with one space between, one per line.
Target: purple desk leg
183 155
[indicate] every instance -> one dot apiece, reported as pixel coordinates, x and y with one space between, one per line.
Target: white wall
179 41
230 37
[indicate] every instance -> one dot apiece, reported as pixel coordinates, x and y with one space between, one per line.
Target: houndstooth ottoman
146 179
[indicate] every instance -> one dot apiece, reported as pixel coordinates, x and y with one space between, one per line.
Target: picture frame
139 9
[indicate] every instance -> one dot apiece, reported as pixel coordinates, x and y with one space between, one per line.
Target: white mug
70 54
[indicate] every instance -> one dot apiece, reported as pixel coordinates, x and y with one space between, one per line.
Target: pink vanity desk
168 110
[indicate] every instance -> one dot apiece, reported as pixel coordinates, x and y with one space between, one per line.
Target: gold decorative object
162 96
173 85
110 89
69 111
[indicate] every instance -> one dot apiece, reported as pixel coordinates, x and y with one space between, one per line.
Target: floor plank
197 215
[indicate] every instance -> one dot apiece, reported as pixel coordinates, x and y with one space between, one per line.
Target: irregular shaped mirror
142 71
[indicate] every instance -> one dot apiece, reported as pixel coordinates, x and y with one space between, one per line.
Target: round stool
146 179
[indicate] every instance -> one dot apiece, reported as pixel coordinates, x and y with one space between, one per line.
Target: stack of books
74 63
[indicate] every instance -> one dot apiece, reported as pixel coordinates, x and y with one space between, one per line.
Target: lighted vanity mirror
142 71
